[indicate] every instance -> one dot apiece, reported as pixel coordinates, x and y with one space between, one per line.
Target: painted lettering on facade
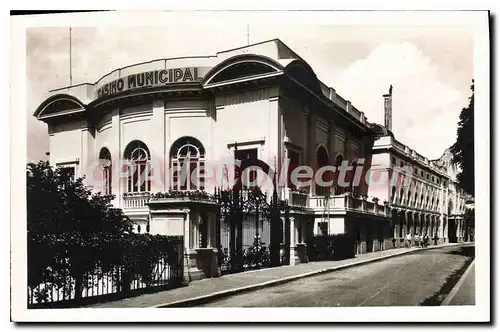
152 79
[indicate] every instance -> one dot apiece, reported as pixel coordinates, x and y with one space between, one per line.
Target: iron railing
115 284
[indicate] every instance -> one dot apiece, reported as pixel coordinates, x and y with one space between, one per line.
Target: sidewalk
201 291
464 291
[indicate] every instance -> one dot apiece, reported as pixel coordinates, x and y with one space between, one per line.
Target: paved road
423 278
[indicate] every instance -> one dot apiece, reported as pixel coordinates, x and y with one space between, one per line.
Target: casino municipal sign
152 79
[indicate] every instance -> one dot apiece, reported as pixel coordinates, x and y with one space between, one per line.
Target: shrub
257 255
333 247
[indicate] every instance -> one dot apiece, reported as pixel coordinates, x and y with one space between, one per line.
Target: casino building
260 101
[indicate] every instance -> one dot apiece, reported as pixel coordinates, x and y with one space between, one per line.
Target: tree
68 228
469 223
463 149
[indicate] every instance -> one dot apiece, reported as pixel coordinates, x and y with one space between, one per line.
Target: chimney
388 109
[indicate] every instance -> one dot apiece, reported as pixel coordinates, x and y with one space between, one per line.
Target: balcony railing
297 198
135 200
398 145
347 203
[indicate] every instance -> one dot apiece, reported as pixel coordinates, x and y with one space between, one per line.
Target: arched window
401 196
241 70
187 158
139 167
105 162
354 189
393 193
338 189
322 160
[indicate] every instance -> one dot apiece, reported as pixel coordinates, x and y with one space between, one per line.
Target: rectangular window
174 185
106 176
201 177
68 171
181 177
193 167
247 154
294 157
323 228
142 177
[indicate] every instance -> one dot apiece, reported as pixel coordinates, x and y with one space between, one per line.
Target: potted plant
300 191
375 200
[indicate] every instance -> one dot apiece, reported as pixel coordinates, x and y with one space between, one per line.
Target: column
187 247
311 145
116 150
87 162
274 127
330 142
210 227
402 223
293 247
395 221
410 223
195 228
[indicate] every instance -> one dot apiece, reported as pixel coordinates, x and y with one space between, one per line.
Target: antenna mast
248 34
70 66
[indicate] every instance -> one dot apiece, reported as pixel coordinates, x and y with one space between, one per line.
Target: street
422 278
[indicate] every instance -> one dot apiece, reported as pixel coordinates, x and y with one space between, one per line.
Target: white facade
261 98
427 198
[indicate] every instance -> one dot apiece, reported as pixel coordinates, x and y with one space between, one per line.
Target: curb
190 302
459 284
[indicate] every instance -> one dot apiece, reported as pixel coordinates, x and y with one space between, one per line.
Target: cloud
425 108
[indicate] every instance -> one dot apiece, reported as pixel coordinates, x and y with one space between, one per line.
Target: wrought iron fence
251 229
99 286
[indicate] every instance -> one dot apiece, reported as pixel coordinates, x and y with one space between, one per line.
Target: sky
430 67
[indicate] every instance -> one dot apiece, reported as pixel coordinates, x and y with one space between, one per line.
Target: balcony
346 202
135 202
297 198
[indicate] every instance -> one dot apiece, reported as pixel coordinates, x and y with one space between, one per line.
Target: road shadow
452 280
469 251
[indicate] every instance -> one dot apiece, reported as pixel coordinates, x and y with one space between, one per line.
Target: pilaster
115 146
159 157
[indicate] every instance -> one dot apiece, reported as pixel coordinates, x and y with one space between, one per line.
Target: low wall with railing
348 202
135 201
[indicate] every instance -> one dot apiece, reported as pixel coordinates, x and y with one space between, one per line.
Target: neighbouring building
426 199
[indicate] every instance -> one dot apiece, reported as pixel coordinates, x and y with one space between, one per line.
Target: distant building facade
427 198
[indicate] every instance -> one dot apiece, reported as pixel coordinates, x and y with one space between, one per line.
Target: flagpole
70 66
248 34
